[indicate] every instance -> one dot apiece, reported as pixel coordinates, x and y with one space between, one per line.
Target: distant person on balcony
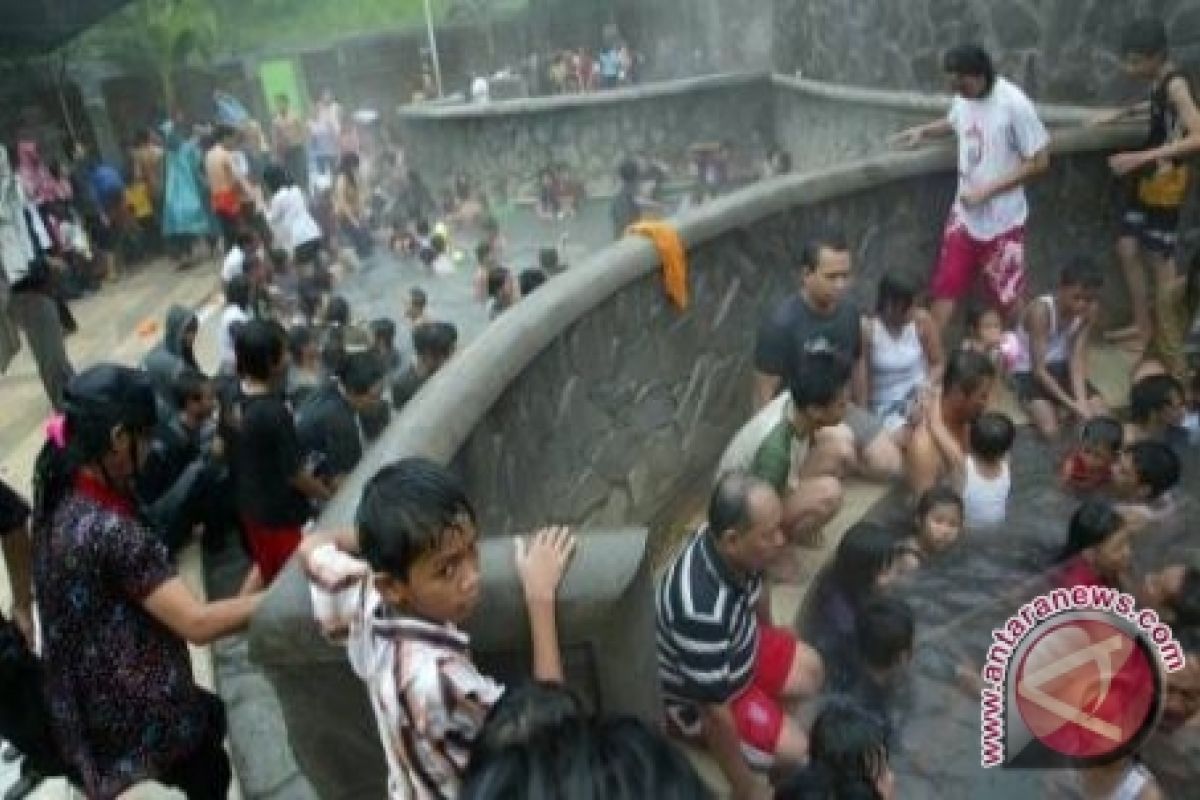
1002 145
728 675
819 318
288 141
1158 174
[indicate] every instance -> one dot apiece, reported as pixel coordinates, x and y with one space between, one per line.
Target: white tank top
897 366
985 500
1058 345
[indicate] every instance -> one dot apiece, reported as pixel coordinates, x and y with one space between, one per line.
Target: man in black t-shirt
819 318
434 343
333 422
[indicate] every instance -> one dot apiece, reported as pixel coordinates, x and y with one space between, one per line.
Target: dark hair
886 626
189 385
729 505
1152 394
406 510
810 254
300 338
967 370
275 178
258 347
529 280
976 312
222 132
850 745
937 496
866 551
237 292
337 311
1091 525
418 297
1081 271
529 712
496 279
992 435
361 372
435 339
628 170
95 401
970 60
818 379
894 293
1146 36
611 759
1156 465
384 330
1103 432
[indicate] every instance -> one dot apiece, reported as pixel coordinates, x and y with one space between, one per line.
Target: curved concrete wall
595 402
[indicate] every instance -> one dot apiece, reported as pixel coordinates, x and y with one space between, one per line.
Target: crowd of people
140 461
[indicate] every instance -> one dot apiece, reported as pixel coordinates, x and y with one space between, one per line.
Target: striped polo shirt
707 629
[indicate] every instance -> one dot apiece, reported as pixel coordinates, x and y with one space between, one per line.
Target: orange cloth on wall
673 256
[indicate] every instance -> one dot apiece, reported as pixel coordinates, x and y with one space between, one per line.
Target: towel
673 256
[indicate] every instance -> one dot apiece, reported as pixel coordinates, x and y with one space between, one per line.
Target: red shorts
271 546
1000 260
757 711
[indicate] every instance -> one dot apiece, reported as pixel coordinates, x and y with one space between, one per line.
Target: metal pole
433 50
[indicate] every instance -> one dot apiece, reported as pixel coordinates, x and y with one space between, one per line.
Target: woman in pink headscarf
36 180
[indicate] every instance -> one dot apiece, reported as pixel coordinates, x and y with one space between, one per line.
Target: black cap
111 395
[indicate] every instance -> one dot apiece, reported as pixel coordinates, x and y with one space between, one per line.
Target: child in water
939 525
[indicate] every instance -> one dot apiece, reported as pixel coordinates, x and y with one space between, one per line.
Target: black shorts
1156 228
1030 388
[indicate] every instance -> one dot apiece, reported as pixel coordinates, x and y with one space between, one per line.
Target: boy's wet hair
1103 432
258 347
966 370
992 435
435 339
935 497
1081 271
361 372
1091 525
818 379
970 60
849 744
1157 467
408 510
1145 37
1152 394
190 384
886 626
525 713
496 279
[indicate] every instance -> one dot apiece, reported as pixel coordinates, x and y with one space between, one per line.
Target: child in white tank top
986 479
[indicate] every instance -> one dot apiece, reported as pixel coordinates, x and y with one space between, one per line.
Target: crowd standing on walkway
139 462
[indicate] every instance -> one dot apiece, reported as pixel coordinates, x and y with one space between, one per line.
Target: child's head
302 345
1146 471
1144 47
885 634
894 304
1100 441
383 332
434 343
500 285
991 436
524 714
820 389
1174 591
1157 400
986 325
849 745
416 529
362 375
1078 283
1100 535
259 350
939 518
417 300
337 311
864 558
194 395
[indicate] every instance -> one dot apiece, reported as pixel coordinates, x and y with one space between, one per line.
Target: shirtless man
964 395
227 190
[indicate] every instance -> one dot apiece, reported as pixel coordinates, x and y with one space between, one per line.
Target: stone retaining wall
1059 50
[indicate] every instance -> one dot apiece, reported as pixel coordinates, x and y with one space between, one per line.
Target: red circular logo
1086 688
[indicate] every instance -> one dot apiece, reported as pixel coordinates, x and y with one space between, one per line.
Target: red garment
104 495
1078 572
271 546
758 711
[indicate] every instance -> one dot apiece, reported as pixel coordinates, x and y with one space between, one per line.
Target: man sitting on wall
819 318
726 672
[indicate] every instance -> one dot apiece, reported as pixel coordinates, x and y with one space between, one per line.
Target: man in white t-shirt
1001 145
